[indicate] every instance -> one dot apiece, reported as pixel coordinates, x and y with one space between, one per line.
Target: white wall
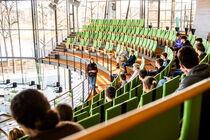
202 18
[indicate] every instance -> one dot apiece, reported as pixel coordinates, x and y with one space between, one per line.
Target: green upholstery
87 103
151 96
101 110
97 103
121 98
95 98
170 86
119 91
24 138
121 108
87 108
81 116
77 108
90 121
137 91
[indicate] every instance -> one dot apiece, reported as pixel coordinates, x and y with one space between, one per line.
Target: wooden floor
103 79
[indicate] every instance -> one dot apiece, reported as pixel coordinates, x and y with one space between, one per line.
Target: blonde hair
15 134
150 82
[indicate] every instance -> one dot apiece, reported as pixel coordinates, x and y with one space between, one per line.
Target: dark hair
177 34
184 37
200 47
150 82
159 61
15 134
188 57
64 111
110 92
143 73
132 51
164 54
123 76
32 109
199 40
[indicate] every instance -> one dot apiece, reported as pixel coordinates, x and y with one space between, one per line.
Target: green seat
151 96
90 121
24 138
142 23
81 116
95 98
121 98
87 108
101 110
137 91
97 103
87 103
170 86
121 108
134 82
77 108
102 94
119 91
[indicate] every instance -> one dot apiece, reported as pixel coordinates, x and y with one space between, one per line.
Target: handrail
136 117
67 91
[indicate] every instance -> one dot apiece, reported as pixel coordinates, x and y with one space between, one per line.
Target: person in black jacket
200 49
91 71
189 61
164 57
185 41
159 65
131 61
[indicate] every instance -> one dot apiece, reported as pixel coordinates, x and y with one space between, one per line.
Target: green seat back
137 91
81 116
170 86
121 98
90 121
87 108
97 103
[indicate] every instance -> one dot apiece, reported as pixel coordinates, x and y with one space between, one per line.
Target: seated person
200 49
110 93
189 61
159 65
31 109
164 57
136 68
198 41
123 80
142 74
178 44
131 61
149 83
65 112
15 134
122 57
185 41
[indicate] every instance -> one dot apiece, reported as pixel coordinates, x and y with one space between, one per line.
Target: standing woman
91 71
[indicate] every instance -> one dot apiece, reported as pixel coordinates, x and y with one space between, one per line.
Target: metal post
74 64
107 62
72 98
58 69
96 57
111 69
67 61
56 26
83 90
80 67
129 2
158 13
191 15
103 59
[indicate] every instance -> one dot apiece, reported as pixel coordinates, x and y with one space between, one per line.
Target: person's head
91 60
110 93
132 52
142 74
65 112
149 83
199 48
188 58
159 62
183 39
136 67
198 40
164 56
15 134
122 77
31 109
178 36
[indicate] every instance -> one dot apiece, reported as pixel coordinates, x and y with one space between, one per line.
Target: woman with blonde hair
15 134
136 68
149 83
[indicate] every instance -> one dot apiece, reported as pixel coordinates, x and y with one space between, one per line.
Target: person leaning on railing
92 71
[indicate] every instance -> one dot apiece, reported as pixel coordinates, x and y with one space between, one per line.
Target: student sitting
178 44
189 61
123 57
110 93
198 41
15 134
131 61
65 112
142 74
164 57
123 80
136 68
200 49
159 65
185 41
149 83
31 109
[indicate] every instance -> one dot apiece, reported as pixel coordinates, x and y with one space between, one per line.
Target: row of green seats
119 22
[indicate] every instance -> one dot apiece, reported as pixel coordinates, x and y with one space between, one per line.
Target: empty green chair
97 103
137 91
90 121
170 86
81 116
101 110
121 98
121 108
95 98
87 108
